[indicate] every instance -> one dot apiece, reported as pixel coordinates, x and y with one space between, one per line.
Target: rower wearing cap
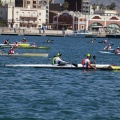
108 47
33 45
59 60
117 50
24 40
6 41
86 62
16 44
11 51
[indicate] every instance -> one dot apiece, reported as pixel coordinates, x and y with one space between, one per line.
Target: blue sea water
57 94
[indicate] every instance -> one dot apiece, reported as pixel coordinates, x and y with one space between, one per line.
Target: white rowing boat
109 52
67 66
26 54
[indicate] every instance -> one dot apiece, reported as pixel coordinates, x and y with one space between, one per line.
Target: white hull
56 66
108 52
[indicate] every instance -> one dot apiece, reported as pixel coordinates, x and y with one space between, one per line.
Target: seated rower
11 51
33 45
117 50
24 40
86 62
59 61
6 42
108 47
105 41
16 44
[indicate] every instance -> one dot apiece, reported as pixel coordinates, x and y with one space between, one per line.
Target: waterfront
55 94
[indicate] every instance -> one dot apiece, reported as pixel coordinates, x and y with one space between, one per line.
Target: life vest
83 61
24 40
53 60
11 51
5 42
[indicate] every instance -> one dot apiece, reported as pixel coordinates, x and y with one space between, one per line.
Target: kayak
21 44
66 66
27 47
26 54
108 52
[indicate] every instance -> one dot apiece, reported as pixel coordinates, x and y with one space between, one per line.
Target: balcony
28 16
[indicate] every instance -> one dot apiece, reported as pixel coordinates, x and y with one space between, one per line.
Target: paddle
94 58
74 64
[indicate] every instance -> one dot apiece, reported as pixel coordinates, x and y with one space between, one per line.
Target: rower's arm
91 65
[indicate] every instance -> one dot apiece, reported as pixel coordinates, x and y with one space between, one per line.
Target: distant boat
81 34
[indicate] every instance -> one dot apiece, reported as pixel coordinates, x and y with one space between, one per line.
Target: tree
101 7
94 6
112 6
66 5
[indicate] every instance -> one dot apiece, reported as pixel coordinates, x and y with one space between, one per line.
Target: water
56 94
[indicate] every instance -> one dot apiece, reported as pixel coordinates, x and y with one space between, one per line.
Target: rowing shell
67 66
27 47
107 52
21 44
27 54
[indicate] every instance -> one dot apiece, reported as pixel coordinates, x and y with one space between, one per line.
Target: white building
19 17
26 18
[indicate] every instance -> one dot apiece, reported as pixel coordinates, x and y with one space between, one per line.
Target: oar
94 58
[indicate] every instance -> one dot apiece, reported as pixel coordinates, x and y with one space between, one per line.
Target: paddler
11 51
33 45
24 40
108 47
6 42
117 50
86 62
59 60
16 44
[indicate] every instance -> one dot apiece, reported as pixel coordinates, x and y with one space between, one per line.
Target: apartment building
26 13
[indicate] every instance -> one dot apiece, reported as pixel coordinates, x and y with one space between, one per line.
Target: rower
33 45
59 60
108 47
105 41
117 50
86 62
53 60
16 44
24 40
6 42
11 50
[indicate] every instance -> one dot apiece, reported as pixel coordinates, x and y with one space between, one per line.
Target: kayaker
6 42
92 41
105 41
117 50
33 45
86 62
24 40
16 44
59 60
11 51
108 47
